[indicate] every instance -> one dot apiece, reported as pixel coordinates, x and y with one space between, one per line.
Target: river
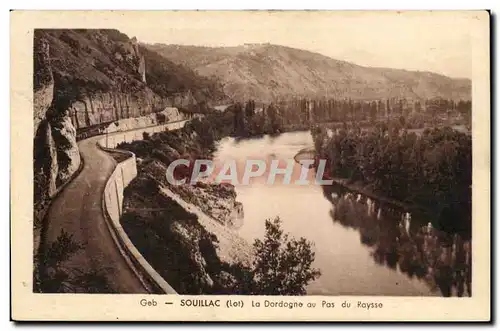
361 248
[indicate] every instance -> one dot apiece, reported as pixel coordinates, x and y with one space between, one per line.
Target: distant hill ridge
267 72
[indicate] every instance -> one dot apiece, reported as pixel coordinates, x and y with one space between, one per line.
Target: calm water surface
361 248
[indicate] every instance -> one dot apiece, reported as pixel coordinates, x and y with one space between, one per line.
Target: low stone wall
123 174
112 140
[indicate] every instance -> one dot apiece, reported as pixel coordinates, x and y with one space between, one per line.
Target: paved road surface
78 211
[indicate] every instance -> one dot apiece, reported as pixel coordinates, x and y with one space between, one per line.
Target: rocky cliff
56 155
84 78
102 76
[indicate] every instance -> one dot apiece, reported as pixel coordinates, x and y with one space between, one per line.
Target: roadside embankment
185 232
113 198
121 177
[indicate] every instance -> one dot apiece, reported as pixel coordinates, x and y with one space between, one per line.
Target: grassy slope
103 60
272 70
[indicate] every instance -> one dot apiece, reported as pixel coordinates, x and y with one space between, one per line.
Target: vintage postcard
250 166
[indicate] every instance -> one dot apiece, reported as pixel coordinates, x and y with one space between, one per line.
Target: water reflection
368 249
406 243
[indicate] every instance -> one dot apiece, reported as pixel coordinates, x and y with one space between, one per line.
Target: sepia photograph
300 154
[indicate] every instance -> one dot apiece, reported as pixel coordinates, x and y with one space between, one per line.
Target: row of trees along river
252 119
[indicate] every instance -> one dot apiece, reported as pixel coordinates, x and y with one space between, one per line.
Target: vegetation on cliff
195 141
71 65
103 60
167 78
282 265
84 78
103 75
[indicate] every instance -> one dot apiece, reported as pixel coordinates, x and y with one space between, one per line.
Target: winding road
78 211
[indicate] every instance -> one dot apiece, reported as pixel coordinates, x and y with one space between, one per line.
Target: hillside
266 72
83 78
105 72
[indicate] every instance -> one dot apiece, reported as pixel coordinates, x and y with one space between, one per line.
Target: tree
417 106
239 120
373 111
432 170
282 266
249 109
205 131
273 118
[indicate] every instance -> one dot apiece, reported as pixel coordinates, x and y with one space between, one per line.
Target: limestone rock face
115 106
142 69
169 114
68 155
84 78
45 162
56 154
101 76
172 114
217 201
43 82
237 215
96 108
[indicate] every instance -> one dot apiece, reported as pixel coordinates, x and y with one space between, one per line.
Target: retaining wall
112 140
123 174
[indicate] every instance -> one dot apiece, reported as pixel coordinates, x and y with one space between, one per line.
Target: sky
426 41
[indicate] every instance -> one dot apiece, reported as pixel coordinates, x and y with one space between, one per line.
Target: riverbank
358 187
429 173
365 191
